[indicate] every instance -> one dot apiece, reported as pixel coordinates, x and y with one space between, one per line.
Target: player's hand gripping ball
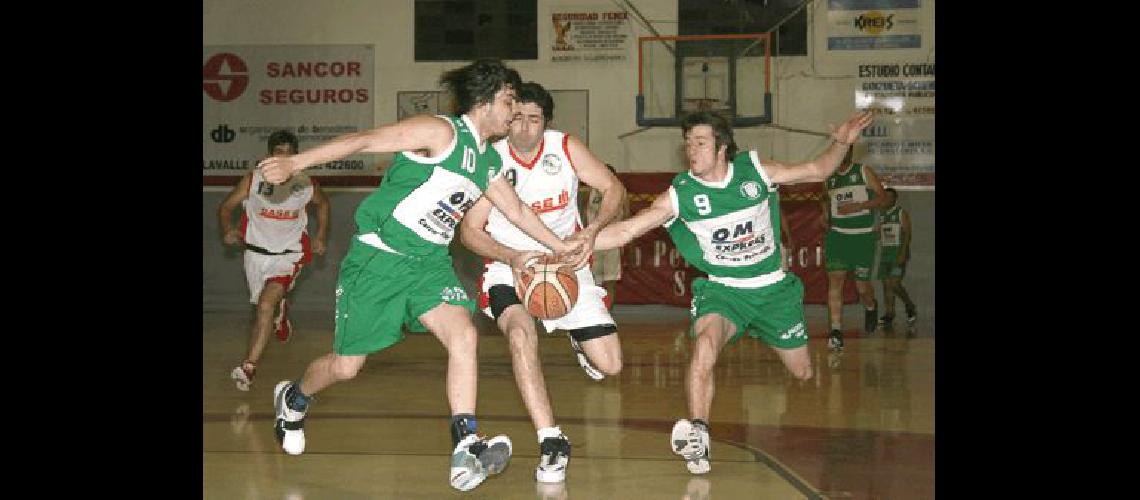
549 289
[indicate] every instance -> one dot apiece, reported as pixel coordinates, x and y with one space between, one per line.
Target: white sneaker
243 378
553 459
289 426
584 361
467 470
692 443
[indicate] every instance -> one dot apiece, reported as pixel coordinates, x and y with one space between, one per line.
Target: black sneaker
835 340
886 319
911 315
869 321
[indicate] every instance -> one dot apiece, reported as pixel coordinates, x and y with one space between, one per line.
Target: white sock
835 326
548 432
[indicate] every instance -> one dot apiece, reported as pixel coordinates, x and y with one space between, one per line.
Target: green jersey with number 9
728 228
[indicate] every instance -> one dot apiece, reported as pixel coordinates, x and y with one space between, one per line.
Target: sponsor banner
590 34
899 144
873 24
317 92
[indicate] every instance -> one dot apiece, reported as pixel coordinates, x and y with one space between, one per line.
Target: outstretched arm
430 133
824 165
621 233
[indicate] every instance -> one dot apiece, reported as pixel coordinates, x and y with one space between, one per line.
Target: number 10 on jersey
468 160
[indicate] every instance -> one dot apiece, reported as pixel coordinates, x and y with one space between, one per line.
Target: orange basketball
550 291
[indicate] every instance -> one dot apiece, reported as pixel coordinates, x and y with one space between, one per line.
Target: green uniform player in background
851 195
894 252
398 272
723 215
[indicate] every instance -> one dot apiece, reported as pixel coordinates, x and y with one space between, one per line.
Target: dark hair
535 93
477 83
612 169
283 137
892 190
722 129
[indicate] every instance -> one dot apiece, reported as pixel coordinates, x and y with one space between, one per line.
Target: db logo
223 134
224 77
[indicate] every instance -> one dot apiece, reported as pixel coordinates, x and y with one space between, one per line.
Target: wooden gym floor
861 428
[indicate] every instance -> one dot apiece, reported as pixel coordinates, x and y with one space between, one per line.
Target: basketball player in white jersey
277 246
545 166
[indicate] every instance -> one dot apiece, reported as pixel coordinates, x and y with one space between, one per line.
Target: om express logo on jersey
448 213
738 242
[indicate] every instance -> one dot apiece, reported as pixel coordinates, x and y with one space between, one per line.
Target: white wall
809 92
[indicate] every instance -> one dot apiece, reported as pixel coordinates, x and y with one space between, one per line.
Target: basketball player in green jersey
723 216
894 241
853 193
398 272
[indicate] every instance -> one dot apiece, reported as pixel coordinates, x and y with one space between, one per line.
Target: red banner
653 272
